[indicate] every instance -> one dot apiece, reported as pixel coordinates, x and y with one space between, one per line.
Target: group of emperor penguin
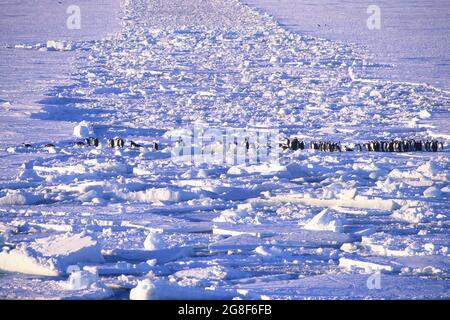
116 142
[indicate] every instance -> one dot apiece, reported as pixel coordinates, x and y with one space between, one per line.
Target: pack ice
132 216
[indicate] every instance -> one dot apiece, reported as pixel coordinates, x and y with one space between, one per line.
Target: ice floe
51 256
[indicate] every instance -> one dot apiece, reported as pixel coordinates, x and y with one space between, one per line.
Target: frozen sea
85 222
412 43
28 74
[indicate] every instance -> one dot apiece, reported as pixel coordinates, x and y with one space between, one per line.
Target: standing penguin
119 142
111 143
302 145
434 145
419 145
295 144
179 142
93 142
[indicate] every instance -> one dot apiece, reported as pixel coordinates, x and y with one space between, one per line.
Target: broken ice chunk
53 45
51 256
325 221
83 130
154 241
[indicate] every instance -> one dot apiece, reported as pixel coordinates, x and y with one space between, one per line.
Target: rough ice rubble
166 224
268 252
367 266
362 202
148 289
81 280
85 285
338 191
414 214
279 235
28 173
383 244
145 106
429 169
161 256
51 256
203 276
48 289
406 265
232 216
21 198
54 45
160 194
432 170
122 268
291 170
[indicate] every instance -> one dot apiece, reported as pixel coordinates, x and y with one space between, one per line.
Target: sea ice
241 228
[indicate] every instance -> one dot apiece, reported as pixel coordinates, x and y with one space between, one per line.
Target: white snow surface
139 223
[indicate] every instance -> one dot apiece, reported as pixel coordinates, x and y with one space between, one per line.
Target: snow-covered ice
410 44
81 221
